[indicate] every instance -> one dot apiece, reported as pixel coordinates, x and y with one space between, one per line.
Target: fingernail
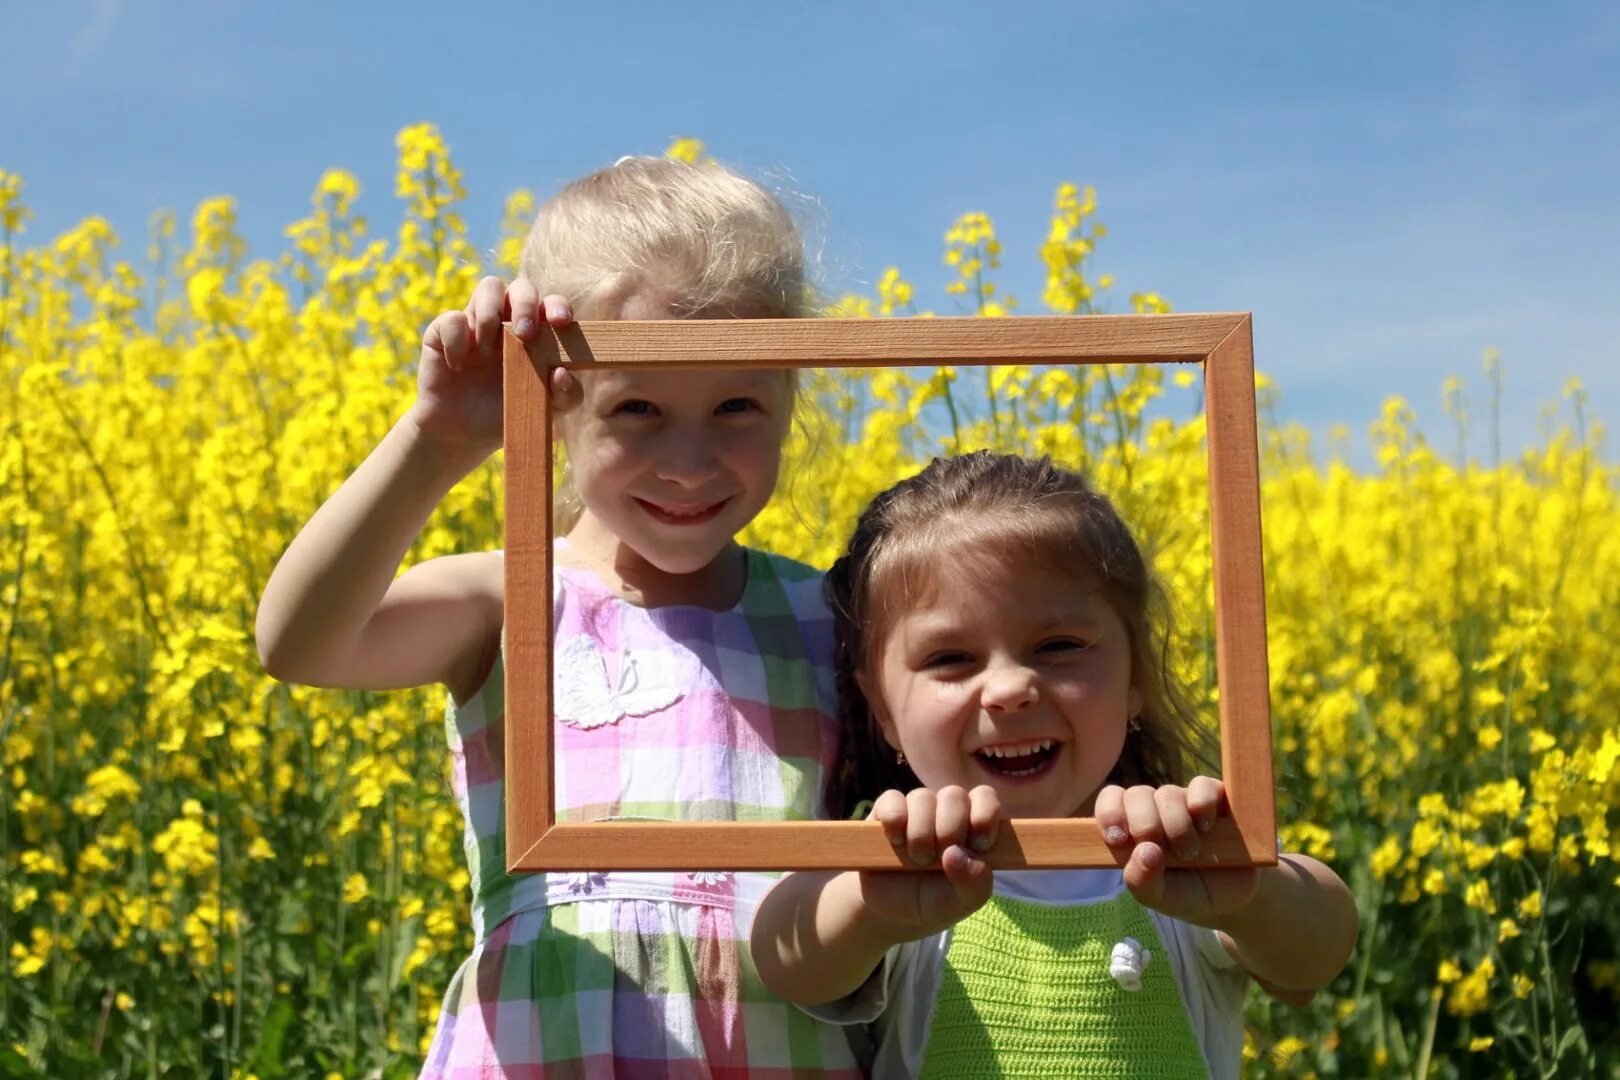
897 840
1191 850
980 842
922 858
1115 835
524 327
1206 825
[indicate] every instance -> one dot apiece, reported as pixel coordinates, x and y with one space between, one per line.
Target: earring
899 757
1134 725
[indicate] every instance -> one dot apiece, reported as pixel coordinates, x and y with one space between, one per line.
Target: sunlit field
204 872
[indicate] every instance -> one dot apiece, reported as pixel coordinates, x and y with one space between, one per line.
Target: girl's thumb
969 875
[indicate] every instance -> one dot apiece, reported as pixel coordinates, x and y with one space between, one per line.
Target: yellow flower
355 889
1481 1042
1286 1050
1530 906
688 150
1386 857
1470 995
1478 895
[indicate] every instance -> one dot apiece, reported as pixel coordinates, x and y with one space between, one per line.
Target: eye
737 405
946 659
635 407
1062 646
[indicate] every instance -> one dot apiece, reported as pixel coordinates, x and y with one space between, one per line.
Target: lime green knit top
1035 990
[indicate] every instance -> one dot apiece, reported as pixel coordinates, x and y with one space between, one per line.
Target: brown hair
715 243
1005 507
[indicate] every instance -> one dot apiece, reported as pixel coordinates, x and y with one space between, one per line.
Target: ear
874 705
1133 703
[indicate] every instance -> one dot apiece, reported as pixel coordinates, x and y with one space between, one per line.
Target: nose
686 459
1010 686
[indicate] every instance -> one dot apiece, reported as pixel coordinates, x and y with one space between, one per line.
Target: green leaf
14 1064
404 942
267 1055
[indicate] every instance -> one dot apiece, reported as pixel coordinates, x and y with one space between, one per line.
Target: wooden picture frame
1222 343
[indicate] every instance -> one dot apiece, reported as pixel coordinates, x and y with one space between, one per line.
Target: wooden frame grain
1222 343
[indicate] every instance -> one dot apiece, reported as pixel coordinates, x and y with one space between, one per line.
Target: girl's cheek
931 710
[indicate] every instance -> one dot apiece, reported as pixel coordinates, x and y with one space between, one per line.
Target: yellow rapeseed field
204 872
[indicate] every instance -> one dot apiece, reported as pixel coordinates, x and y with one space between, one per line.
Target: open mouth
682 513
1019 760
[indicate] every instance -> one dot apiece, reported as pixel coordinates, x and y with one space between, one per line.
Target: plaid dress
678 713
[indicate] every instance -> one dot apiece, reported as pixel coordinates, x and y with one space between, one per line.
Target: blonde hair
710 242
717 243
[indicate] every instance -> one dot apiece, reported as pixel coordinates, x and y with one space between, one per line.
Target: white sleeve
866 1004
896 1005
1213 987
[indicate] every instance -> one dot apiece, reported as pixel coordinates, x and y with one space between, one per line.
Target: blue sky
1390 188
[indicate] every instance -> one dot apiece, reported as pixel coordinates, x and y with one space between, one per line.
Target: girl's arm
814 938
1299 930
818 936
332 613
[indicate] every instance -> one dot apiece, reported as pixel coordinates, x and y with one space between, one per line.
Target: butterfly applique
585 699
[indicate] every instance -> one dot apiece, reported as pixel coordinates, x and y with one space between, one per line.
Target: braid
866 764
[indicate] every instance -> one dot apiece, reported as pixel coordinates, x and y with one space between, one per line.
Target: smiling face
673 464
1009 675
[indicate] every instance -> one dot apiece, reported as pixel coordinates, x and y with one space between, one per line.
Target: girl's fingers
984 818
450 338
559 312
1144 874
950 817
920 827
890 812
523 308
969 875
1142 815
1177 822
1205 794
1109 813
485 308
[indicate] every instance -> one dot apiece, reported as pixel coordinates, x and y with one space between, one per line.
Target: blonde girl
1001 654
693 676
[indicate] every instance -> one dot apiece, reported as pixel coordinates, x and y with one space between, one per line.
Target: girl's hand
459 376
946 828
1142 823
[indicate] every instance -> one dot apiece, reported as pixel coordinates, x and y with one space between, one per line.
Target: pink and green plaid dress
678 713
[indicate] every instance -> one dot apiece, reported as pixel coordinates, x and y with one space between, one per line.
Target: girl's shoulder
799 583
786 568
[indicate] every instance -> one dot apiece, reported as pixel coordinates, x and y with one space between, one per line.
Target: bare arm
1299 930
332 613
814 939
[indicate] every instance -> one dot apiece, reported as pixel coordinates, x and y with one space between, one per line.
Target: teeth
1017 749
